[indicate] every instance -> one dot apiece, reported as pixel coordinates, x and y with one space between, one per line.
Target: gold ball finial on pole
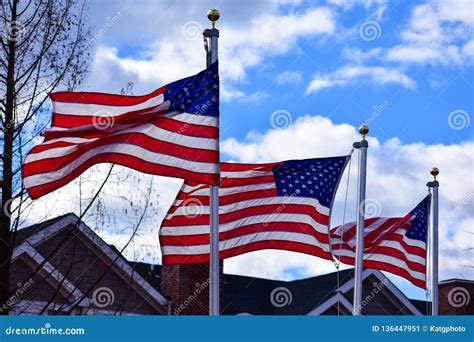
363 130
213 15
434 172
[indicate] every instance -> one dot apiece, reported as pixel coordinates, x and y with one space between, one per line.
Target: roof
24 233
254 295
456 280
421 305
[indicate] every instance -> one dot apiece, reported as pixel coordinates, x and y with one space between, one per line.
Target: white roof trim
338 297
388 284
30 255
155 298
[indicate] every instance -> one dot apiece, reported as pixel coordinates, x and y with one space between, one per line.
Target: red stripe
237 167
251 247
261 210
232 182
228 199
410 249
137 139
401 222
71 120
168 124
127 161
395 270
400 255
103 98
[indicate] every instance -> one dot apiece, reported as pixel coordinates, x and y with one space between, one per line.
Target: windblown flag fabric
396 245
283 205
171 132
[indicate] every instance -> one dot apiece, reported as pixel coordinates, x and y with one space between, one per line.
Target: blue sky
416 113
297 79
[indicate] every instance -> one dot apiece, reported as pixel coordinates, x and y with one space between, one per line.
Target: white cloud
436 33
348 74
289 77
244 44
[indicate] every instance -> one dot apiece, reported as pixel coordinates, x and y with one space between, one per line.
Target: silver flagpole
434 185
213 35
362 147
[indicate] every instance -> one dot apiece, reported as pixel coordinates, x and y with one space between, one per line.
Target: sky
297 79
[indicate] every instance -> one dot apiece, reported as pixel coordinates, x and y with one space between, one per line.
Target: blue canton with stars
198 94
419 224
315 178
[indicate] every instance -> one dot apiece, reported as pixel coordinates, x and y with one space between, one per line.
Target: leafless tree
43 47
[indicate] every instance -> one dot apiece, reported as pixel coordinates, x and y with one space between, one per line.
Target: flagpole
361 182
214 267
434 185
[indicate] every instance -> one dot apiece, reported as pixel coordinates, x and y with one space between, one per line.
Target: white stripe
92 109
244 221
68 140
204 190
410 242
245 240
256 202
131 150
148 129
245 174
392 244
396 263
194 119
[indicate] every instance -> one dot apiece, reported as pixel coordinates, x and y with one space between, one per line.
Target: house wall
88 271
456 298
187 286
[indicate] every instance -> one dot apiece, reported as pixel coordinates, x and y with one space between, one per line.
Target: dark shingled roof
252 295
24 233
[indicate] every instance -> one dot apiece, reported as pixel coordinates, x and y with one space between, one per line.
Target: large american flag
171 132
396 245
283 205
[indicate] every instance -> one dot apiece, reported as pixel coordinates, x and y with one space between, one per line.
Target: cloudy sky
297 79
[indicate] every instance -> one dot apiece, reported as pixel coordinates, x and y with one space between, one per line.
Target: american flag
171 132
283 205
396 245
